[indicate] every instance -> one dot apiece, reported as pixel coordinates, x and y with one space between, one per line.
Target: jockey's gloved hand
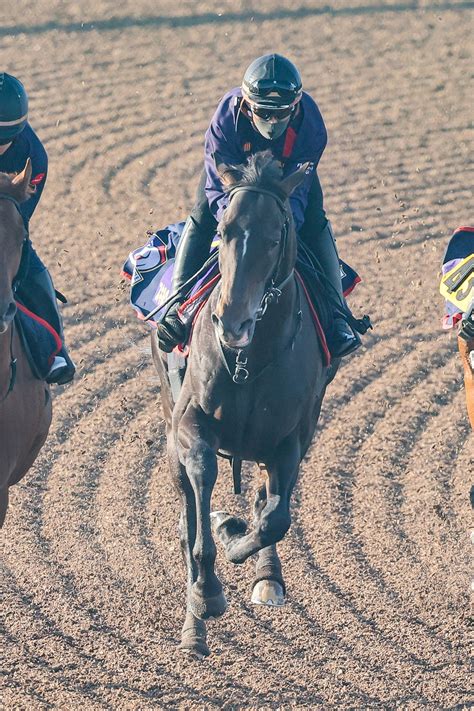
171 331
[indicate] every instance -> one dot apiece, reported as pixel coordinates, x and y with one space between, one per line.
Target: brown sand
376 560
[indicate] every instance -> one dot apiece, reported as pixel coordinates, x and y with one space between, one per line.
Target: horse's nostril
246 325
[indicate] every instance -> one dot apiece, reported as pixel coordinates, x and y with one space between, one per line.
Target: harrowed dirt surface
376 561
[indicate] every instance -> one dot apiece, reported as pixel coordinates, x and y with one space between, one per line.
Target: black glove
171 331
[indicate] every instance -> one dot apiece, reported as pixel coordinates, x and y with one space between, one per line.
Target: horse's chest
250 419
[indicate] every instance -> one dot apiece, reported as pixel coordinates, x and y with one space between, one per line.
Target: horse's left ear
292 181
229 174
23 178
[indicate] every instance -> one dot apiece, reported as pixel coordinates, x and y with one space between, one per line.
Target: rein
272 294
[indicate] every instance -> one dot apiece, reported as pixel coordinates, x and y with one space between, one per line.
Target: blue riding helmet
13 107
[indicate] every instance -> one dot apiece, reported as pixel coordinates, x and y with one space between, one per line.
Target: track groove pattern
376 560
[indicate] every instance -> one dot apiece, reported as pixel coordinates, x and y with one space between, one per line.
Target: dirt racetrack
376 559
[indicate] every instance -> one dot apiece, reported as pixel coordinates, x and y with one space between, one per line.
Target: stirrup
61 372
339 348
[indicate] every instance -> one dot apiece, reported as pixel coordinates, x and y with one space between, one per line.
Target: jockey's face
271 123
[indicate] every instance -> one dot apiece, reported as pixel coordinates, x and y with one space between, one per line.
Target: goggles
266 113
287 96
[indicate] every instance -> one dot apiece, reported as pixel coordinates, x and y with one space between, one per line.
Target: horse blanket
150 271
458 252
40 341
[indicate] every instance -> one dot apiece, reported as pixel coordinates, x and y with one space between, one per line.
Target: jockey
269 111
18 142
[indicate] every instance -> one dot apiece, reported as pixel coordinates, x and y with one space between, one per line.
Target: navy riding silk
232 136
28 145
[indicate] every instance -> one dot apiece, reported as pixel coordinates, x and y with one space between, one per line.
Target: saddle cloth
150 272
460 247
40 341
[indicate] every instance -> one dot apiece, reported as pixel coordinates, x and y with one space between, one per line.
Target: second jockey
270 111
18 142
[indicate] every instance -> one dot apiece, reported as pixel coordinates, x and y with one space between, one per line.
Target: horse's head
13 191
258 246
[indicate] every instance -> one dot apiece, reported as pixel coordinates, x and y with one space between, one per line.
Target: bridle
273 291
22 269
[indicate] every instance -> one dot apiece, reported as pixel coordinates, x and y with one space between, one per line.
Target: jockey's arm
221 139
39 163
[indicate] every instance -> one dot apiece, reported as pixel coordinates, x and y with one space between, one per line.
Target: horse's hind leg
268 586
275 518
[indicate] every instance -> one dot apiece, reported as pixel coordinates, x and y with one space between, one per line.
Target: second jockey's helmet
13 107
271 88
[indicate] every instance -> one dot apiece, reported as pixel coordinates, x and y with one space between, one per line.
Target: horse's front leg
197 447
275 517
193 635
268 586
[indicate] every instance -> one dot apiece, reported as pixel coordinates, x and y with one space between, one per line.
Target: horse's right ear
292 181
22 180
229 174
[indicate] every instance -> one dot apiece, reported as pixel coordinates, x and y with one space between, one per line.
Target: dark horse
25 403
253 388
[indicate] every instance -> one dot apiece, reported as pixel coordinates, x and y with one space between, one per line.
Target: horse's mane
262 170
16 191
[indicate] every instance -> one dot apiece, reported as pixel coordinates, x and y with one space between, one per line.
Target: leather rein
272 294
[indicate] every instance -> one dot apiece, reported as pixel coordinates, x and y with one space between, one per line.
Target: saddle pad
150 272
460 247
40 341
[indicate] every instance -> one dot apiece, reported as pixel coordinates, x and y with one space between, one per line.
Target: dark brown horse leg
193 634
268 586
275 519
206 598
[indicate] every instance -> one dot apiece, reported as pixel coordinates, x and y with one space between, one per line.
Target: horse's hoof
224 525
268 592
205 608
194 647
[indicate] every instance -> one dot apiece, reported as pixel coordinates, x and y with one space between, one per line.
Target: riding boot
38 294
344 340
192 252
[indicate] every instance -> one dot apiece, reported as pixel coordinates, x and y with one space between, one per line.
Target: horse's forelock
261 170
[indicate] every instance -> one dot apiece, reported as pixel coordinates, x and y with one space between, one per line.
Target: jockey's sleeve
311 144
39 164
220 139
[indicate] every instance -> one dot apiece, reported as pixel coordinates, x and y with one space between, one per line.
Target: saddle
40 341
